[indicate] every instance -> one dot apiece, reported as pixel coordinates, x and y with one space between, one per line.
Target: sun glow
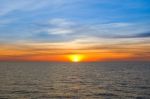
76 58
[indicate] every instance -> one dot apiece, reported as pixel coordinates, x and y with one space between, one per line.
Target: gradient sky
50 30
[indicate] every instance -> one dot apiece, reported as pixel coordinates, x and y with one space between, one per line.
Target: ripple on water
74 81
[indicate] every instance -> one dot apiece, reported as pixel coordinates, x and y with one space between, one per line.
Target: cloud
60 26
147 34
81 45
44 26
71 24
60 31
7 6
138 35
61 22
64 29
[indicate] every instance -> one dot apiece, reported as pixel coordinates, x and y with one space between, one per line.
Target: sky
51 30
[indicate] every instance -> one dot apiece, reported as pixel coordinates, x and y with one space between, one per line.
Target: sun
76 58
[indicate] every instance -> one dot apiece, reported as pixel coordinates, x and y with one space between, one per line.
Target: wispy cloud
60 26
7 6
60 31
37 26
138 35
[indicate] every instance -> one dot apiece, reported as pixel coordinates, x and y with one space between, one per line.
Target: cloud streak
36 27
138 35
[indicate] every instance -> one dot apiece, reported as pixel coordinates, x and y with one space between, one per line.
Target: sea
95 80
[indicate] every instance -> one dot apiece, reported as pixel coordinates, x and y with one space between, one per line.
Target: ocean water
43 80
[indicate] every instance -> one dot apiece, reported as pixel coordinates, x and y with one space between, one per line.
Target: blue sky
39 20
93 22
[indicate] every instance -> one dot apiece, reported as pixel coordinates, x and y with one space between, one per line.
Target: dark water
75 80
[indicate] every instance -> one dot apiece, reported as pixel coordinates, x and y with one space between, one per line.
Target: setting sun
76 58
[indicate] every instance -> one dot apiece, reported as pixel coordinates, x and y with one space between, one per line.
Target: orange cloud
57 52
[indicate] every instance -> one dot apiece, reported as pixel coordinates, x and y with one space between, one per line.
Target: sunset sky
53 30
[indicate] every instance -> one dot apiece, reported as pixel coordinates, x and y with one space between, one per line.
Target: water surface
43 80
